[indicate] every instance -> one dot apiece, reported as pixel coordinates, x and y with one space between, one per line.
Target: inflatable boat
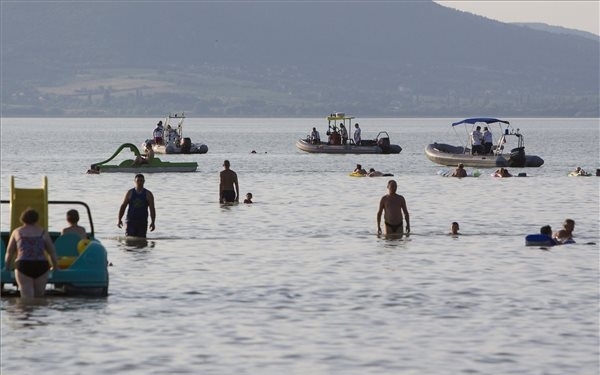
337 123
452 155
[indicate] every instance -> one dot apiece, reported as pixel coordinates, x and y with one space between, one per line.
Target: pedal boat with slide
380 145
129 166
83 263
173 140
450 155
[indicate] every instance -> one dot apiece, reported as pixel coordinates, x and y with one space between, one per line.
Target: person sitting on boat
488 141
357 134
315 137
476 138
359 169
334 137
74 227
502 172
460 171
147 158
344 134
159 134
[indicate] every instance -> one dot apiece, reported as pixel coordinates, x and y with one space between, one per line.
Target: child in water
248 198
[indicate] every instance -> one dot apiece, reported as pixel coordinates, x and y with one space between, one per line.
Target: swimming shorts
32 268
228 196
136 228
394 227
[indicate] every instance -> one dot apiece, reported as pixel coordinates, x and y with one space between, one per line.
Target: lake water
299 282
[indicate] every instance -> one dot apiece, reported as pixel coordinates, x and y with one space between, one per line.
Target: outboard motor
186 146
517 157
384 144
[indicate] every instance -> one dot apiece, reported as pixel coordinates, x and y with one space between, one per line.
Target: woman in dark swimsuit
30 243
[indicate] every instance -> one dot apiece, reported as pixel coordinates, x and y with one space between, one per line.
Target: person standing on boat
357 134
344 134
29 244
394 206
476 139
488 141
139 200
229 189
315 137
159 134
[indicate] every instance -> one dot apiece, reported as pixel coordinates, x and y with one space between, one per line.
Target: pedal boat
83 263
128 166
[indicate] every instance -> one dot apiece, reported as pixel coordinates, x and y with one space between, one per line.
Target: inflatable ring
82 245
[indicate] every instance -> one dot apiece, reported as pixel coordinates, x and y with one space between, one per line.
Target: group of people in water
563 236
359 170
335 135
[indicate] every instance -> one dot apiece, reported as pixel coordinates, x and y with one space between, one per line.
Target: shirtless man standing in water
229 190
393 205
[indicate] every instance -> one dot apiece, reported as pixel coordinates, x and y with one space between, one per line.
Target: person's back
229 189
459 171
74 227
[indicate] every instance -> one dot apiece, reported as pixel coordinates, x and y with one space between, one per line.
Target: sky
573 14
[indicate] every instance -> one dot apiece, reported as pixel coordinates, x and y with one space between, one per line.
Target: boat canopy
487 120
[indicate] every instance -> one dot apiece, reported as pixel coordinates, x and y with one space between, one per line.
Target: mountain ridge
287 58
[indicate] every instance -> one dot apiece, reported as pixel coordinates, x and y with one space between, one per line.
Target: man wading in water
393 205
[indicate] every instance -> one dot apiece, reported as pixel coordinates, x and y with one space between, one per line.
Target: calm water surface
299 282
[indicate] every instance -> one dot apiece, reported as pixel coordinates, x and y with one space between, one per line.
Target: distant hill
558 30
286 58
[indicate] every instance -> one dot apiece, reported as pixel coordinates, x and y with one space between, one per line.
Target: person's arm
150 198
220 187
51 251
237 188
379 212
406 216
122 208
11 250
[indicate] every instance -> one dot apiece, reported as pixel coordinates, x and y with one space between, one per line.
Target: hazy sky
572 14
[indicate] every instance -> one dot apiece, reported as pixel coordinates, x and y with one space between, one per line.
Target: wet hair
29 216
226 163
139 175
249 195
547 230
73 216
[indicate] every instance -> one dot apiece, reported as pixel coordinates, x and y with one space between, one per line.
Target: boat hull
444 154
195 148
163 167
324 148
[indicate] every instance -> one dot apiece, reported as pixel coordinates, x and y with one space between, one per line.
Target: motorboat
335 145
155 165
452 155
173 141
83 263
